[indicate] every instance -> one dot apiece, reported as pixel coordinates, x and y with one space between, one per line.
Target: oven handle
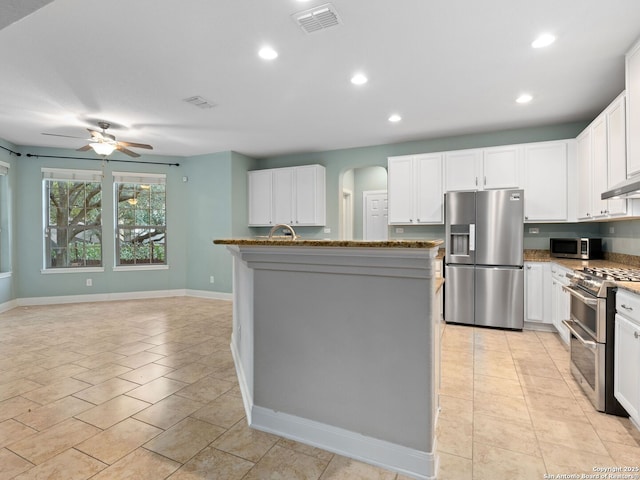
587 343
586 300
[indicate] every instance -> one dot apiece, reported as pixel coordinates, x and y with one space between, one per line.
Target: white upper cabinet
545 181
292 195
483 169
415 189
602 164
633 110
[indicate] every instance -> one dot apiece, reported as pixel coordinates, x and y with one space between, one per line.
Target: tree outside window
73 219
141 220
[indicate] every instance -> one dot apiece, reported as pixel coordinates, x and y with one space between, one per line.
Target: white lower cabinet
560 300
627 353
536 292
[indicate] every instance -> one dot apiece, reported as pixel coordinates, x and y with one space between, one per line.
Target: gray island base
338 346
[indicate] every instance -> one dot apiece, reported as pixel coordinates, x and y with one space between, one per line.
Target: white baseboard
404 460
247 397
539 327
6 306
107 297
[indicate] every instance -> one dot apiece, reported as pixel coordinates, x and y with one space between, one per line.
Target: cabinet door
501 167
309 198
627 358
400 190
599 168
545 190
283 195
617 152
428 188
260 189
584 174
534 292
462 170
633 110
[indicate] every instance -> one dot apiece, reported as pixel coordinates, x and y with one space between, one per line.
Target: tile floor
146 389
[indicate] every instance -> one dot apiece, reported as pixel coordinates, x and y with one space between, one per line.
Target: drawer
628 304
560 273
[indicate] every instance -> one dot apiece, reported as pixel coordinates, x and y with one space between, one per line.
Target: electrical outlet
89 282
612 230
399 230
212 279
327 230
534 230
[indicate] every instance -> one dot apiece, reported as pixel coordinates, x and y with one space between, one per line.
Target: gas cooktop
615 274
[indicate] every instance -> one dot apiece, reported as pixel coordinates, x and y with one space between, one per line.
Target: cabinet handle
418 220
485 180
627 308
526 218
635 334
554 282
476 181
528 267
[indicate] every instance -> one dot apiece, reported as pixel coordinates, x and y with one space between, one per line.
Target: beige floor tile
454 468
495 367
115 442
105 391
499 432
12 374
225 411
139 464
306 449
69 465
139 359
179 359
132 348
12 464
17 387
55 391
454 407
562 408
490 463
168 411
568 460
206 389
190 373
12 431
498 386
15 406
545 386
99 359
624 454
580 435
157 389
213 464
48 415
245 442
512 408
48 443
146 373
454 436
185 439
615 429
115 410
342 468
287 464
102 373
529 366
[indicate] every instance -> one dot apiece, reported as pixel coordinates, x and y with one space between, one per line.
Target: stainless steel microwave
580 248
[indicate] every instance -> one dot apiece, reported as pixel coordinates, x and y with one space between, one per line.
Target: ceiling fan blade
95 135
136 145
127 151
83 149
66 136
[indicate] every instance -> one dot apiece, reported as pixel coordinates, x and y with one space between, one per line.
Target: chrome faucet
283 226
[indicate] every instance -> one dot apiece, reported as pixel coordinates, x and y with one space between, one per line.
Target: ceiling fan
104 143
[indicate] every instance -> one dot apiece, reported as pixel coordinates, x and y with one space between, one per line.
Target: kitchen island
336 345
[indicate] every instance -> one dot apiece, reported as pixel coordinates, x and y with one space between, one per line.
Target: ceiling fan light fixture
102 148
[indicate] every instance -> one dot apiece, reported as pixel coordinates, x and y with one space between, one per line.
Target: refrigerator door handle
472 237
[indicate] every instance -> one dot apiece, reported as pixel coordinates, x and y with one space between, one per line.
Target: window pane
74 233
141 213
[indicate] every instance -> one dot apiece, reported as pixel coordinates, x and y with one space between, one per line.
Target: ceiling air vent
317 18
200 102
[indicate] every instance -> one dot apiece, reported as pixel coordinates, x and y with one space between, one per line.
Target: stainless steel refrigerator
484 278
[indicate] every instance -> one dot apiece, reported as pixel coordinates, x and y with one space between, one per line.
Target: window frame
137 179
77 176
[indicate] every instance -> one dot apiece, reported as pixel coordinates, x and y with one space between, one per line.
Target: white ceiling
447 66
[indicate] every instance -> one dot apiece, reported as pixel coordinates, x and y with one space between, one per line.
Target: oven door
589 311
587 363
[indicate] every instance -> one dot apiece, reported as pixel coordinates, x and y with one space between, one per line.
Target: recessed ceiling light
268 53
524 98
543 40
359 79
395 118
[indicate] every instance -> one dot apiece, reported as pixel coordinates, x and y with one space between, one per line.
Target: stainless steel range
592 326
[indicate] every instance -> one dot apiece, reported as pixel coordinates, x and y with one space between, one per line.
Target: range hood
628 189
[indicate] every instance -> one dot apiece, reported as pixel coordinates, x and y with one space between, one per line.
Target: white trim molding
107 297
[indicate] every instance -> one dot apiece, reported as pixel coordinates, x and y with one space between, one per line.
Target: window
73 218
140 200
5 244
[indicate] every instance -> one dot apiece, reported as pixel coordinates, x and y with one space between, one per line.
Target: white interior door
347 215
375 216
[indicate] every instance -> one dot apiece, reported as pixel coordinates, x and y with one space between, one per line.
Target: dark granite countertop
329 243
